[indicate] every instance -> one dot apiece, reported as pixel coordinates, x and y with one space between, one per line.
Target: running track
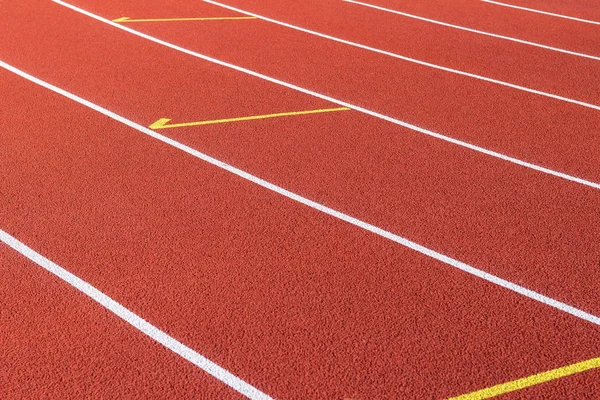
435 237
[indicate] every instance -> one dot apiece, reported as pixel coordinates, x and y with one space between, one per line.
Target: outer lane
537 129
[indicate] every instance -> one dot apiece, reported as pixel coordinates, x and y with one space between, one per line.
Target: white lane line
587 21
134 320
340 102
463 28
326 210
404 58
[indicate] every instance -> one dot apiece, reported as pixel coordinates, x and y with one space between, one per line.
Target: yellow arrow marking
531 380
126 19
163 122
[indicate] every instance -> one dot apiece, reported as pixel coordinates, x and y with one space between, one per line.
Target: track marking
126 19
404 58
531 380
319 207
134 320
542 12
163 122
463 28
338 102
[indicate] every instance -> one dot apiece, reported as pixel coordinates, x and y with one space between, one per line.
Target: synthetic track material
450 193
180 304
340 102
58 344
365 389
134 320
467 111
539 11
515 261
404 58
329 211
538 68
538 28
466 29
191 247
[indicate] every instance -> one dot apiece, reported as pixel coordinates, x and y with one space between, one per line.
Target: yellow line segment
126 19
531 380
163 122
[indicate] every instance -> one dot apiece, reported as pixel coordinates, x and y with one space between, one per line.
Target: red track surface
296 303
539 28
57 343
524 125
516 63
585 9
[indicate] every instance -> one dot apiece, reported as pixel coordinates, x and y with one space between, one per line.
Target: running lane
476 14
528 126
562 74
57 343
520 64
582 9
516 223
294 302
136 80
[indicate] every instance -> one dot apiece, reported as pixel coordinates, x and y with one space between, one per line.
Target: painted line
404 58
163 122
136 321
587 21
463 28
338 102
319 207
127 20
531 380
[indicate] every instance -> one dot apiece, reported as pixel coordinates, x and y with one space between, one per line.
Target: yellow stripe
126 19
162 123
531 380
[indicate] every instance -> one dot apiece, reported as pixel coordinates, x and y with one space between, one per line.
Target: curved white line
135 320
464 28
404 58
587 21
336 101
314 205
